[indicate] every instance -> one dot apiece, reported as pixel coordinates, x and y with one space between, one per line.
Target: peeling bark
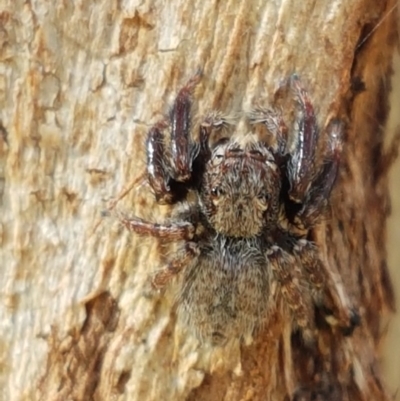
81 83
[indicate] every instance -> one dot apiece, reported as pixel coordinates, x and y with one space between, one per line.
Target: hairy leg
320 189
186 256
168 168
157 170
301 164
178 231
310 185
170 232
286 271
183 150
321 280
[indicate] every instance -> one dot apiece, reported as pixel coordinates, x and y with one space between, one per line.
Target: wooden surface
80 84
391 352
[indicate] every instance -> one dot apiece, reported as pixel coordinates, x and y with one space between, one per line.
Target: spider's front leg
168 170
318 193
183 150
310 187
301 163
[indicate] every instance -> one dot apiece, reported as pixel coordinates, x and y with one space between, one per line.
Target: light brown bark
81 82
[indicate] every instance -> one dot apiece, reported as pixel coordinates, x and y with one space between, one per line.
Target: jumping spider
244 238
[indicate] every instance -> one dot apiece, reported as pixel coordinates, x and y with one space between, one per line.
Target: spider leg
322 280
156 165
301 164
183 151
170 232
287 274
320 189
175 266
167 170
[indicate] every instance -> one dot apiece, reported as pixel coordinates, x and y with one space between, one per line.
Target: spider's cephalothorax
244 247
239 194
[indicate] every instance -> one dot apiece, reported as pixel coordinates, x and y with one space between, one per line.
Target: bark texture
80 84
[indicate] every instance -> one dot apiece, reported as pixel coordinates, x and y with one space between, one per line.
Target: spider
244 208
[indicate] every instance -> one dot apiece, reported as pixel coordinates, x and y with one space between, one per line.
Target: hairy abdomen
225 294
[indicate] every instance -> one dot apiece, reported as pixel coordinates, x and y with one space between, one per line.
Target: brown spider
244 237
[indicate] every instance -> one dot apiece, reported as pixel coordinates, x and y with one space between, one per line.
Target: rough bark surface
80 84
390 354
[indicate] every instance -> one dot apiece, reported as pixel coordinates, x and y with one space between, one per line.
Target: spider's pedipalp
273 120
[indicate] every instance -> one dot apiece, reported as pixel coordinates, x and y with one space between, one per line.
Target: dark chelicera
244 248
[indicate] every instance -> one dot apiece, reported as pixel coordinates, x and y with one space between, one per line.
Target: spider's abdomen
226 293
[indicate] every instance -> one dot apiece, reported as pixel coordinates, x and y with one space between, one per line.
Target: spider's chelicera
244 209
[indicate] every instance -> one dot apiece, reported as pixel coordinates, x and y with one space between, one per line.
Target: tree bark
81 83
391 361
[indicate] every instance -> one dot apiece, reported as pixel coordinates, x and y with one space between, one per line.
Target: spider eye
216 191
264 196
256 154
